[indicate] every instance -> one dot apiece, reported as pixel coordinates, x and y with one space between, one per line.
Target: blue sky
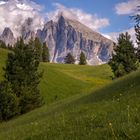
101 8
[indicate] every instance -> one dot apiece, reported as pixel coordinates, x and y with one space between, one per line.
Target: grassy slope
61 81
112 112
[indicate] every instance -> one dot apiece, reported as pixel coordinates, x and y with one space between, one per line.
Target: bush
69 59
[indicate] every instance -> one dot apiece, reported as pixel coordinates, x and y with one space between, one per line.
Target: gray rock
8 36
27 32
67 35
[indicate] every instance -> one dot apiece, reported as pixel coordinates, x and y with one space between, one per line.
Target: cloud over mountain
13 14
90 20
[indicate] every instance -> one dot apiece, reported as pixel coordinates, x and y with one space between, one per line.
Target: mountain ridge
67 35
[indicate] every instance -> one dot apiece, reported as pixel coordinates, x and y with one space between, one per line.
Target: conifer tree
137 30
45 53
21 73
8 102
38 48
82 59
124 59
69 59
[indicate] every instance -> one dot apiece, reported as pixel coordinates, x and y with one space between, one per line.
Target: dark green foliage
69 59
124 59
45 53
30 100
137 30
82 59
138 53
21 73
2 44
8 102
38 48
136 19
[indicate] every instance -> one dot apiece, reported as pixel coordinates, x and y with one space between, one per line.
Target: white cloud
2 2
92 21
128 7
13 14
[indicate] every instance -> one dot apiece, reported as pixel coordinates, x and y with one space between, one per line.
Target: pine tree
45 53
38 48
21 73
137 30
124 59
8 102
82 59
69 59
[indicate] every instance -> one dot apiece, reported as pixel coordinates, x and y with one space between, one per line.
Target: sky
109 17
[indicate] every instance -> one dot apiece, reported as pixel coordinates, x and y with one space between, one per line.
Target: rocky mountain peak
61 20
7 33
68 35
7 36
27 30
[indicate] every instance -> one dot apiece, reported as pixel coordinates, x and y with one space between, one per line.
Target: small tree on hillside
69 59
124 59
45 53
82 59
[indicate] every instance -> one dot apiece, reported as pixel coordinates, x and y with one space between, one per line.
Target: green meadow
81 103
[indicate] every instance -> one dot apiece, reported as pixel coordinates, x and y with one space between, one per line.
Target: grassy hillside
110 112
60 81
3 56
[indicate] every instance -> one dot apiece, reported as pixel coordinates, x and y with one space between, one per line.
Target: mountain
7 36
68 35
64 36
27 31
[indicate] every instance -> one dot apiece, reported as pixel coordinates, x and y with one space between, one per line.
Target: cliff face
68 35
27 31
7 36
